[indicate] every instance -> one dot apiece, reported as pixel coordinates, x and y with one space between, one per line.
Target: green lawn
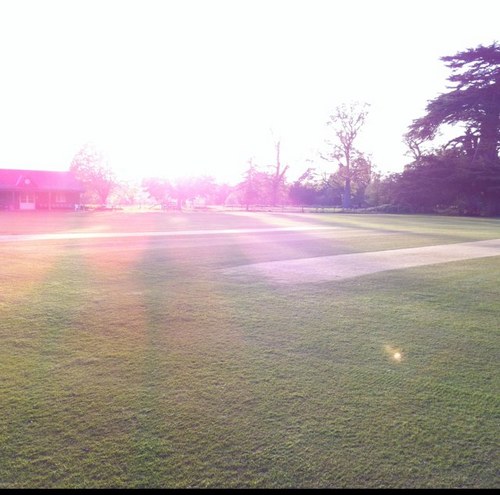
133 362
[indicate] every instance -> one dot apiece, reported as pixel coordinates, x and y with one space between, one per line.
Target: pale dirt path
319 269
344 266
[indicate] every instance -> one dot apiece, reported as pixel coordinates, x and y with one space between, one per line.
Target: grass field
134 362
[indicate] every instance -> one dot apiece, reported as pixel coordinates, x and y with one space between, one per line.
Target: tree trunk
346 199
488 141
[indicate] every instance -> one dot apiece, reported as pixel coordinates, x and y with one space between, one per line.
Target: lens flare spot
394 353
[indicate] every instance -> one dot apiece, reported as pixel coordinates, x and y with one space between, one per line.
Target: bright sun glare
188 88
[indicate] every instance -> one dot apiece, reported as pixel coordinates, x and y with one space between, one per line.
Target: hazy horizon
193 87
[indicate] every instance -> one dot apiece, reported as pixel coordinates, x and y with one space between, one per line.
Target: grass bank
134 363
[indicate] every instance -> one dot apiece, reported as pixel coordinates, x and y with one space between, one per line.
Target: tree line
460 177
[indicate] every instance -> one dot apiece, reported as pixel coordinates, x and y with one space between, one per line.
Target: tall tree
472 105
158 188
254 187
346 122
473 101
278 175
91 168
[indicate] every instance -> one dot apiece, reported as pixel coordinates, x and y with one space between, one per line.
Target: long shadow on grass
43 415
223 391
194 387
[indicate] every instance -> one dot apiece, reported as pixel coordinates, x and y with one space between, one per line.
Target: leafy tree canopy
91 168
346 122
473 101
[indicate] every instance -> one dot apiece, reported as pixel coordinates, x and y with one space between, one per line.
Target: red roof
40 180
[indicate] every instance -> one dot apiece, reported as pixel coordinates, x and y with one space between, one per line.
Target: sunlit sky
172 87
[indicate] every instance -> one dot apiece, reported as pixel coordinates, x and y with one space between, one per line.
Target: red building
38 190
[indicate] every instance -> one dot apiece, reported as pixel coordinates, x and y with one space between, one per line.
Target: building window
60 197
27 197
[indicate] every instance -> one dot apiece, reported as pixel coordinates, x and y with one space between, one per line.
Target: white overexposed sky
172 87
